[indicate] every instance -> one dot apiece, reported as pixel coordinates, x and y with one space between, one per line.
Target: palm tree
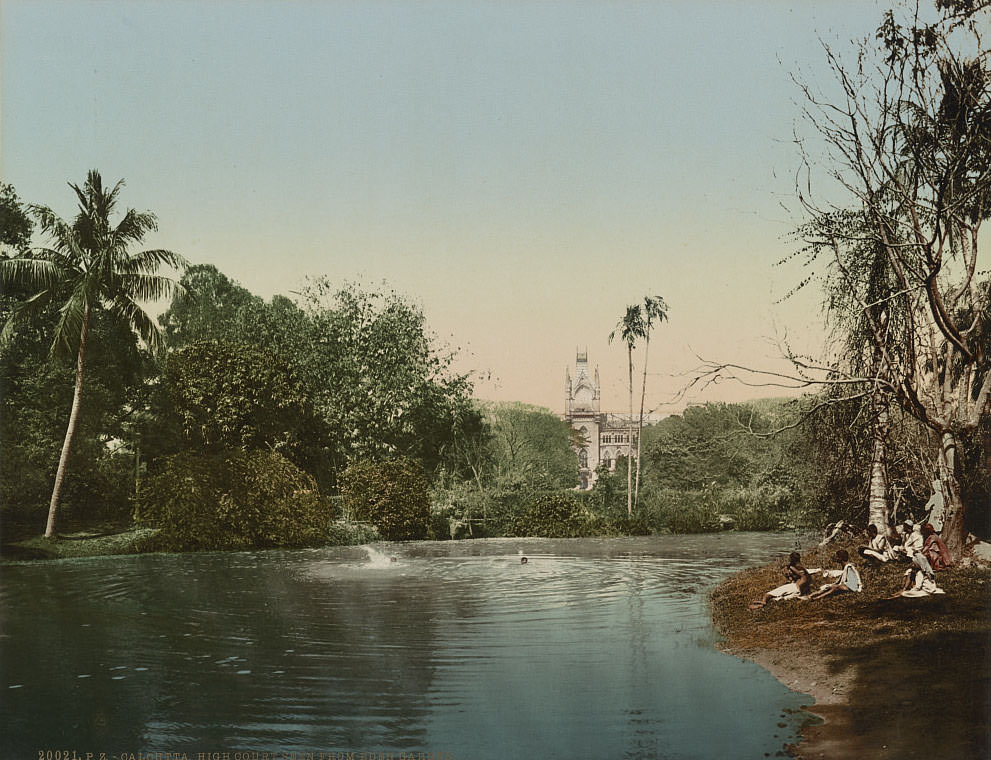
629 328
87 267
654 308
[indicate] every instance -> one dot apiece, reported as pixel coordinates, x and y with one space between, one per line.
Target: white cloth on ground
922 586
787 591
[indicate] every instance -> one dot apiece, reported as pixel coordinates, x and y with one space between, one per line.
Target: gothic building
603 436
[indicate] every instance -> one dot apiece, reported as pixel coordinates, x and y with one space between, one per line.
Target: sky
521 170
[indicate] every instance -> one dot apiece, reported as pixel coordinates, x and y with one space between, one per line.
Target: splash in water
378 559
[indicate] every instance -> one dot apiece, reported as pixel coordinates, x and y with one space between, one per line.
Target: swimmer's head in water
522 560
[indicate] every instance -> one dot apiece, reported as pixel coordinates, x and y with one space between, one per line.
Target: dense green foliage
525 446
379 382
35 397
558 515
15 224
251 418
393 496
232 500
228 395
88 265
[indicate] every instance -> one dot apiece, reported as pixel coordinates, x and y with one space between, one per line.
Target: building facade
602 436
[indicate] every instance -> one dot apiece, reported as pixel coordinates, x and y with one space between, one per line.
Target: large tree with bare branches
906 143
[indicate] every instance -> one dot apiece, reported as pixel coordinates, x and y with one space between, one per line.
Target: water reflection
593 648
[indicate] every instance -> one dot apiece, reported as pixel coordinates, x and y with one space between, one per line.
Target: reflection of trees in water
340 663
345 657
60 645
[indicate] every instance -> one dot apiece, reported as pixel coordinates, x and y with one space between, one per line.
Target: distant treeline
295 422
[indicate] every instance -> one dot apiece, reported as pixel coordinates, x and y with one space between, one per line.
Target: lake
594 648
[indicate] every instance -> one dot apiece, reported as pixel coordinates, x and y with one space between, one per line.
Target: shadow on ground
911 698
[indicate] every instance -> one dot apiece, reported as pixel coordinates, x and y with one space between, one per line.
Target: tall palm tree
654 309
630 328
88 266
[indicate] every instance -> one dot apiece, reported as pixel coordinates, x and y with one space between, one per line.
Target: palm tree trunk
70 431
643 395
877 502
629 445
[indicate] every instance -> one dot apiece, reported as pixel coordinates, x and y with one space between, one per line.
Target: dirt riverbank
897 678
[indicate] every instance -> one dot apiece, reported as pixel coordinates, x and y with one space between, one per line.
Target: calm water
598 648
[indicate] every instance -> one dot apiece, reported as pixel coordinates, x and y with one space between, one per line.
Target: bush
343 533
393 496
558 515
762 508
683 511
232 500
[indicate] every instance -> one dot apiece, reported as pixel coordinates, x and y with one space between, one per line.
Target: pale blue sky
523 170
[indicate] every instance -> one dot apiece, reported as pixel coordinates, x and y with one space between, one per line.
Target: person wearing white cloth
848 577
917 584
800 583
879 548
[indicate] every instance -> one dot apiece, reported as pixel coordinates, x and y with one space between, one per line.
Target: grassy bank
110 540
893 678
83 543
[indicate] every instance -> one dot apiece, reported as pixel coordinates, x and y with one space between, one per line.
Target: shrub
232 500
557 515
393 496
683 511
343 533
761 508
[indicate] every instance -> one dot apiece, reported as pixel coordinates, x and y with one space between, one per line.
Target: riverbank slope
896 678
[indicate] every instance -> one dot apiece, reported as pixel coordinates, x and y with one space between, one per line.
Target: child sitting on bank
848 577
799 583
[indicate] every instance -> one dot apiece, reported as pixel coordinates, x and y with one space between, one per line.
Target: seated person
918 584
914 544
935 550
799 583
848 577
878 546
896 545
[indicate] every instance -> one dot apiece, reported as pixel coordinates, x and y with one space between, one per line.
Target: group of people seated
918 544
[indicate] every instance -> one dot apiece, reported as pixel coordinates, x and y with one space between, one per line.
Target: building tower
603 438
581 411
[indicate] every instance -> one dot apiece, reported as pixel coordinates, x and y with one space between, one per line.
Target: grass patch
84 543
932 653
848 619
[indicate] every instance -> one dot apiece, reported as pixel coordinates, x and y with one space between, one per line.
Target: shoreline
828 699
887 676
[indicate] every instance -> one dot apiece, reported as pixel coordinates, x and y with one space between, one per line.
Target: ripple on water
579 649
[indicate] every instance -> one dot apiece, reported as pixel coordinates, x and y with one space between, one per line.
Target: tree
88 265
860 289
654 310
631 327
380 382
209 306
15 224
529 445
908 145
237 396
